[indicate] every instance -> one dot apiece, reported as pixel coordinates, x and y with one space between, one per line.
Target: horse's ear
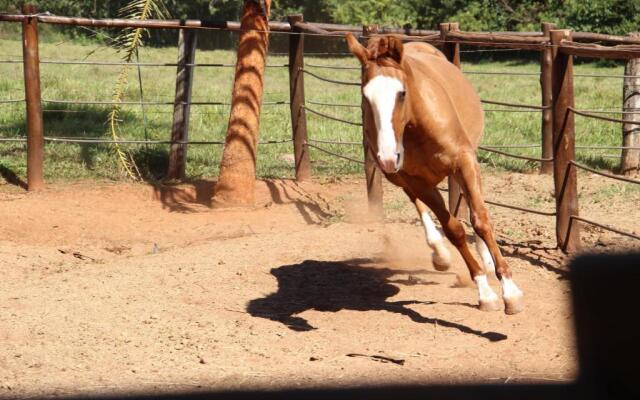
357 49
391 47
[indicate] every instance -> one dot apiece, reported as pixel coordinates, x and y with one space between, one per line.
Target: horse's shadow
346 285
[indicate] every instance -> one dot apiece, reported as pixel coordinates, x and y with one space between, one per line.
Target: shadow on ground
12 178
331 286
184 197
549 258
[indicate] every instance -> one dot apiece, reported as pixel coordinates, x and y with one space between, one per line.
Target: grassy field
95 83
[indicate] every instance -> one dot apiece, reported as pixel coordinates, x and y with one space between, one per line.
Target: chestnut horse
428 124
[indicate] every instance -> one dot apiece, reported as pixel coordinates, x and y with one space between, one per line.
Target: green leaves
384 12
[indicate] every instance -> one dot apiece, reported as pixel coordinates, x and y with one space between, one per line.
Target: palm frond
128 43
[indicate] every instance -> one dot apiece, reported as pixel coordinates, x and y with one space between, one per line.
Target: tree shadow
313 210
152 160
181 197
82 121
12 178
331 286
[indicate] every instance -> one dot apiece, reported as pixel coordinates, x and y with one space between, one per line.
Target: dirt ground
117 288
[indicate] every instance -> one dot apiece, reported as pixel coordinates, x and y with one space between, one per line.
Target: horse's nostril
398 158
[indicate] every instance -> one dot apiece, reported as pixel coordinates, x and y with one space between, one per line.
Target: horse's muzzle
390 165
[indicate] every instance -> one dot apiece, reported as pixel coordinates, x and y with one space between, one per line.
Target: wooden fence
557 49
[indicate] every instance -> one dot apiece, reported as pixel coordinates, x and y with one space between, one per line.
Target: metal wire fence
525 43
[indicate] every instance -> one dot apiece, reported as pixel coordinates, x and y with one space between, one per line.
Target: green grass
88 161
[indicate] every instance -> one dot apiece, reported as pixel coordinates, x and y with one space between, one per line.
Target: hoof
490 305
441 263
513 305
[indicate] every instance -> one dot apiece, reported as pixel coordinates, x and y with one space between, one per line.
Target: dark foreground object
604 293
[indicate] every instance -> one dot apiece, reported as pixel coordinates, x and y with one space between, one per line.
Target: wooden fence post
182 107
297 101
630 162
372 171
457 204
546 167
35 126
564 175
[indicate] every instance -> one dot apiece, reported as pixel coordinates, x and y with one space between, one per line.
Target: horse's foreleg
454 231
483 250
441 255
469 175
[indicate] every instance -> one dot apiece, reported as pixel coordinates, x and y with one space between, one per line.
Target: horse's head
384 86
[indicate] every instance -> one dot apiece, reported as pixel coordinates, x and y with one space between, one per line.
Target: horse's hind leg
441 255
470 179
453 229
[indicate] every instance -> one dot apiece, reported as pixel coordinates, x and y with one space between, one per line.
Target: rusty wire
86 140
523 209
317 103
166 103
135 64
331 117
312 54
489 50
333 154
333 67
606 76
330 80
590 115
609 147
511 146
518 105
502 73
603 226
512 207
335 142
510 111
10 101
605 174
604 111
491 150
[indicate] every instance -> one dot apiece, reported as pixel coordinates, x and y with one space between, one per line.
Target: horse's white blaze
382 92
485 255
434 240
509 289
485 293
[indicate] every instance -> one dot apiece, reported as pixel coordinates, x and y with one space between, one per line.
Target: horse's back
434 73
417 48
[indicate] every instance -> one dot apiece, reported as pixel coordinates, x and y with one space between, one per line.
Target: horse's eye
402 95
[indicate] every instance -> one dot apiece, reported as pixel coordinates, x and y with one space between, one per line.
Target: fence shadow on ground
331 286
549 258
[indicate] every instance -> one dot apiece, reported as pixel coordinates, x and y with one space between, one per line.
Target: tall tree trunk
236 183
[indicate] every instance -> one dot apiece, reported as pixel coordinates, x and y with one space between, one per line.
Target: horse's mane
386 51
